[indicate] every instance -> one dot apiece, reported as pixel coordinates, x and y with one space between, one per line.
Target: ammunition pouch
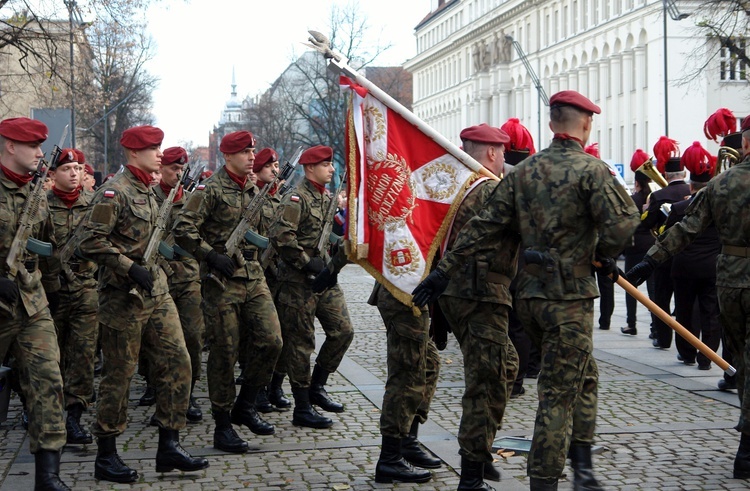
558 275
482 277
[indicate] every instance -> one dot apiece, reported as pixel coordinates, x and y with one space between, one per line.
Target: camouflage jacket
297 232
559 201
118 229
485 276
723 203
210 216
44 276
182 269
66 221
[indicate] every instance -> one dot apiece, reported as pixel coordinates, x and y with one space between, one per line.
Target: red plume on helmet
593 150
720 124
697 160
520 138
638 159
665 149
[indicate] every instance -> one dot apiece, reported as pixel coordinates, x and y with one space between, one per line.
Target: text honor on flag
390 189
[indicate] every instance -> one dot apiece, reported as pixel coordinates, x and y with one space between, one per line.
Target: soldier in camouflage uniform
241 301
413 368
27 325
476 304
559 200
296 236
182 275
266 167
723 204
136 312
76 303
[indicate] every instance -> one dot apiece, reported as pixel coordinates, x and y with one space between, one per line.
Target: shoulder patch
102 213
200 187
294 198
109 193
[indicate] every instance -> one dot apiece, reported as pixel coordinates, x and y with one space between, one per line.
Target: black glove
430 289
325 280
221 263
607 266
641 271
8 291
141 276
533 257
315 265
53 298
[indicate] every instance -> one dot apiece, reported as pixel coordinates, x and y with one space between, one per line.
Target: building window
575 16
585 14
595 15
546 29
565 22
557 26
732 67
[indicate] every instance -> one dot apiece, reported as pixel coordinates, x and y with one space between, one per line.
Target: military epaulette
109 193
294 198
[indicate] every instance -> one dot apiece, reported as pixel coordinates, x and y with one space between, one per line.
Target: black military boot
304 414
170 455
262 404
742 460
76 434
47 476
244 412
472 476
413 453
318 394
109 466
276 393
392 466
149 397
539 484
583 472
194 413
225 438
490 472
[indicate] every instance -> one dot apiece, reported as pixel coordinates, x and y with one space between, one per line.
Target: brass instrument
726 158
649 169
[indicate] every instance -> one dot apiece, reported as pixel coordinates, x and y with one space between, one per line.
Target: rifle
242 230
326 235
167 247
68 250
155 244
23 240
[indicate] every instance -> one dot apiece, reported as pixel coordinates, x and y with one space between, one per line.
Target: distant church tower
233 118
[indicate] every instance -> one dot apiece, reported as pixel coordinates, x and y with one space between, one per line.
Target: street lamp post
106 124
674 13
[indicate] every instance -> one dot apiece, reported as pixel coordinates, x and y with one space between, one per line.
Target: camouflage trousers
77 332
568 379
299 307
154 332
734 304
244 305
490 367
413 366
187 298
34 344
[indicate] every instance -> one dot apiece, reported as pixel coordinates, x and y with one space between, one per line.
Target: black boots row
398 456
272 397
193 413
47 472
76 434
169 456
583 472
742 460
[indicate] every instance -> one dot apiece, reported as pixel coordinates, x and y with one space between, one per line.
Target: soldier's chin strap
676 326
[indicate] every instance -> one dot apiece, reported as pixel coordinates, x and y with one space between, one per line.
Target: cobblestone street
661 425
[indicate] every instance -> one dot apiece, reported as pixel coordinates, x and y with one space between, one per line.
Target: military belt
579 271
737 251
498 278
250 254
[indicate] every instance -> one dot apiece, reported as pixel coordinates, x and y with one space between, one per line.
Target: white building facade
467 71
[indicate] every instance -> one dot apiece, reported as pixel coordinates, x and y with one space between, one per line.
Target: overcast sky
198 43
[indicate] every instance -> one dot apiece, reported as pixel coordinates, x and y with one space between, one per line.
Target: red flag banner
402 193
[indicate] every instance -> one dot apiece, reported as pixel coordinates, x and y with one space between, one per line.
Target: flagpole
320 43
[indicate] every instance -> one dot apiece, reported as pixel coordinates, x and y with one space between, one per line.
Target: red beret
89 170
67 155
24 130
140 137
316 154
174 155
745 124
236 142
484 133
573 98
80 155
264 157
